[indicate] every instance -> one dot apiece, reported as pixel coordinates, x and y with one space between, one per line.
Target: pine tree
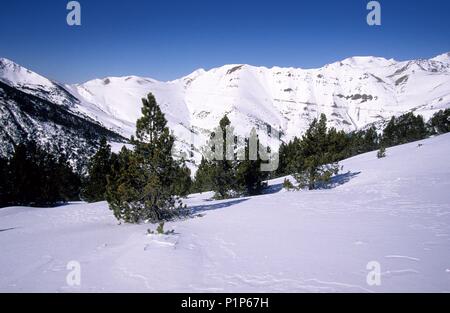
142 184
249 176
287 156
183 183
381 153
315 164
224 176
371 140
204 177
440 122
403 129
100 166
122 189
38 178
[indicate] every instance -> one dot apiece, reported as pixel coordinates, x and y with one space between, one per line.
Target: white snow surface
395 211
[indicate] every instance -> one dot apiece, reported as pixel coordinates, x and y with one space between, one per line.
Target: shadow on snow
215 206
334 182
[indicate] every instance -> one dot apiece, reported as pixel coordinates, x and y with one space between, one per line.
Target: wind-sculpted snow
394 211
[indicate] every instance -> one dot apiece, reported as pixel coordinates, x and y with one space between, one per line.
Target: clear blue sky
166 39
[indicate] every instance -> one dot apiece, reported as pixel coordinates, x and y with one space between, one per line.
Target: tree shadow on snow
273 189
209 207
334 182
338 180
7 229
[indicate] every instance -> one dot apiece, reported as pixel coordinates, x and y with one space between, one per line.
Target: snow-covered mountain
353 93
34 108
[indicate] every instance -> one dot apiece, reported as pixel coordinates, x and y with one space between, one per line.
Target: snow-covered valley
394 211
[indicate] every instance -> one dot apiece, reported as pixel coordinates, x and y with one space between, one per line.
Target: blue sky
170 38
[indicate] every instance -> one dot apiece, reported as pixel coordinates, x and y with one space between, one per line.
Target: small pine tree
381 153
287 184
141 186
315 163
224 176
249 176
160 228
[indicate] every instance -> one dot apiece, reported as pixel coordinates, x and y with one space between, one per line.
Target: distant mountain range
353 93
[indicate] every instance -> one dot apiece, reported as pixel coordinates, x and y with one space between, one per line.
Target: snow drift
394 211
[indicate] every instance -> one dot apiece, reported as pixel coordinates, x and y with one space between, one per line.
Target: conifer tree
315 164
100 166
250 178
37 178
183 182
440 122
204 177
224 161
142 184
69 183
403 129
381 153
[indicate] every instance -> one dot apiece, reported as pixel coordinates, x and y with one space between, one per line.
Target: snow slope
395 211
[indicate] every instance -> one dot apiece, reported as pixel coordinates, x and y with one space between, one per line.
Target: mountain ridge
353 93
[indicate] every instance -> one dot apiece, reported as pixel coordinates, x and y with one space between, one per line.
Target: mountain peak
15 75
6 65
367 61
444 58
6 61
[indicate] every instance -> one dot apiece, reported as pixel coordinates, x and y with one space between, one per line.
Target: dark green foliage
403 129
287 152
5 183
160 228
142 183
249 176
122 188
328 147
315 162
287 184
34 177
381 153
183 183
362 141
339 145
99 168
69 182
224 176
440 122
204 177
231 168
